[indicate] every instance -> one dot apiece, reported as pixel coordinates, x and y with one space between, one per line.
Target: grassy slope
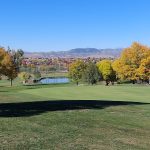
44 123
134 93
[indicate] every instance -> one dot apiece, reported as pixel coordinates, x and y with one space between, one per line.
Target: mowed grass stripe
120 93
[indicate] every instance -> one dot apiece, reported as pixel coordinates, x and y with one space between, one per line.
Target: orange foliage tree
7 66
130 64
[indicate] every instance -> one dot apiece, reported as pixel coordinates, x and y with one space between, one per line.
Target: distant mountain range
77 53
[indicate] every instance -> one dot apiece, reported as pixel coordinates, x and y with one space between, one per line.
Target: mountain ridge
77 53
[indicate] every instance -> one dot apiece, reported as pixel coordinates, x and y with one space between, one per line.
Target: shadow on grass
3 91
23 109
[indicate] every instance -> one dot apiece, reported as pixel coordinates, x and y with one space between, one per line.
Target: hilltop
77 52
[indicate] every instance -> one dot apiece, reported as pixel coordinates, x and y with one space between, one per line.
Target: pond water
54 80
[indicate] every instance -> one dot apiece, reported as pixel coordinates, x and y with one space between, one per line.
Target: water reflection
54 80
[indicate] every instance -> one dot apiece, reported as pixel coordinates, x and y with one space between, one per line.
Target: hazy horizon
68 49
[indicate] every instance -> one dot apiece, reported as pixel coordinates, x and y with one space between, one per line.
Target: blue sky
45 25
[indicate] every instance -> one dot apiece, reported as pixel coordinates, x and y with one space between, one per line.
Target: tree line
133 65
10 65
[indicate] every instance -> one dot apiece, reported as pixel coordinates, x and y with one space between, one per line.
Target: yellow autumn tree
7 66
117 66
143 72
24 76
127 66
76 70
2 59
106 70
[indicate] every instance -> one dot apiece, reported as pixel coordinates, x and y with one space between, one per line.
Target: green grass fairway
68 117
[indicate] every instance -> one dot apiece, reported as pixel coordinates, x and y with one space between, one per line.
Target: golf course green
69 117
